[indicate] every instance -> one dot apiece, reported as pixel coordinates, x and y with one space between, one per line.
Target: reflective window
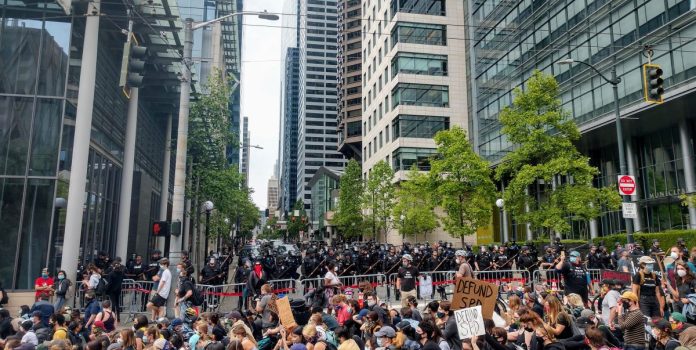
11 191
19 47
420 95
38 208
422 64
15 129
419 33
45 137
405 157
418 126
425 7
353 129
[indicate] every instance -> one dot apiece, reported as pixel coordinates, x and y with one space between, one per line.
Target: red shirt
43 282
343 314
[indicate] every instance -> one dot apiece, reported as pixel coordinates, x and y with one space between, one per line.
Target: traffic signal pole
622 151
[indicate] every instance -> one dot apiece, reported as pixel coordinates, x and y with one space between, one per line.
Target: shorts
158 301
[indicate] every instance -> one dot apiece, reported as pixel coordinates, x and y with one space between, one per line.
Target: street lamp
403 232
614 81
185 96
500 203
208 207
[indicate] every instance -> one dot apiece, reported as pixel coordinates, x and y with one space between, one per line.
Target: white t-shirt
334 281
30 338
94 281
611 299
165 283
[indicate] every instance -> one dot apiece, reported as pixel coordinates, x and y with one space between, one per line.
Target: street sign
627 185
629 210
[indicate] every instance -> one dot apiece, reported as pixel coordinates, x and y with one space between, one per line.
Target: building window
420 95
404 158
418 126
353 129
420 64
424 7
419 33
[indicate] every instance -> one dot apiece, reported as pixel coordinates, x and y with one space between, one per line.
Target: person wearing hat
385 338
575 275
631 322
646 285
678 322
663 335
159 300
464 269
406 279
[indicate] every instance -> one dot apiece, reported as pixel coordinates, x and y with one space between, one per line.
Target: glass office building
509 40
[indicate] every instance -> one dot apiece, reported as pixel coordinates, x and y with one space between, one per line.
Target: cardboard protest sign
285 312
625 277
470 322
469 292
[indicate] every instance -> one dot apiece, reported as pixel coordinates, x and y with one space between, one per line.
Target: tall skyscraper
272 195
318 140
246 148
414 80
349 79
290 89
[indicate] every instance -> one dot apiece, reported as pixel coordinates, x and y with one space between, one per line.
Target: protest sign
470 322
625 277
469 292
285 312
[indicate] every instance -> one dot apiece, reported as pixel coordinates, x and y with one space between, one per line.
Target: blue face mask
379 342
44 275
649 268
60 277
573 259
178 270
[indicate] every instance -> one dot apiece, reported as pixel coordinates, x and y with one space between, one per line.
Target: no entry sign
627 185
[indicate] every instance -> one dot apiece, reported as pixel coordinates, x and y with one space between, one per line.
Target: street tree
297 223
348 215
463 184
378 198
414 211
545 157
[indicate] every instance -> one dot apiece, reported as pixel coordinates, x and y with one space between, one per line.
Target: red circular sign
627 185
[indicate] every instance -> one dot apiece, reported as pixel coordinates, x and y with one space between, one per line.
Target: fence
373 282
552 280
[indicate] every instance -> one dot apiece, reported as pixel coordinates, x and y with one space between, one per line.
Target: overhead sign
469 292
629 210
627 185
470 322
285 312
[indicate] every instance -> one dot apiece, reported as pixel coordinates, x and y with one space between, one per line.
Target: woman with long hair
558 320
685 285
240 335
127 339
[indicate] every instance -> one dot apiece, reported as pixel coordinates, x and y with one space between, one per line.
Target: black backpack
102 287
196 296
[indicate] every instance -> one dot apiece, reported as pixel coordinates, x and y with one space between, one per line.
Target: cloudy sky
261 92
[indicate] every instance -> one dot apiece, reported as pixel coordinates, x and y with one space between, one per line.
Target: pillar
527 225
80 150
124 206
632 170
164 196
685 142
504 222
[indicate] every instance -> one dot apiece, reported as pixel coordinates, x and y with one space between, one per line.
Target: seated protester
679 323
140 327
178 343
394 317
595 339
685 285
526 336
546 340
631 322
6 328
240 336
127 339
60 332
558 319
406 336
427 336
44 308
218 332
431 308
344 312
688 338
407 315
329 320
346 340
29 337
413 305
446 322
178 327
663 337
236 319
574 304
314 340
107 316
75 334
267 306
386 337
531 300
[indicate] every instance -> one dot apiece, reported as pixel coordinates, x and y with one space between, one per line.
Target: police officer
153 268
655 249
594 261
483 260
136 269
211 273
525 260
102 261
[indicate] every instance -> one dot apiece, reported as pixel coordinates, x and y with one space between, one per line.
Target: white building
317 126
272 195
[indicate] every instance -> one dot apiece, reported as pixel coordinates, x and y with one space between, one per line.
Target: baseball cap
385 331
678 316
661 324
177 322
630 296
575 253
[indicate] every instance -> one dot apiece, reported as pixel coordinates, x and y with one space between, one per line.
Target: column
164 196
632 170
685 142
527 225
504 222
124 205
182 143
80 150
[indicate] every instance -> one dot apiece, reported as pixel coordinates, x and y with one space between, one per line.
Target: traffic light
132 65
160 228
652 83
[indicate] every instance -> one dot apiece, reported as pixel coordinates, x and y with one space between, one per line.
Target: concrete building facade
350 79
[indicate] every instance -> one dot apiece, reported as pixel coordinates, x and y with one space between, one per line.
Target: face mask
440 315
162 267
370 303
178 270
44 275
626 305
529 329
573 259
681 273
674 326
405 264
674 255
144 339
649 268
379 342
60 277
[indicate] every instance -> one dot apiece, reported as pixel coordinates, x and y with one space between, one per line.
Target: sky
261 92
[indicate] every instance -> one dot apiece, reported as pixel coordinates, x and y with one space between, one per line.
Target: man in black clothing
406 279
593 259
373 305
115 278
575 275
135 269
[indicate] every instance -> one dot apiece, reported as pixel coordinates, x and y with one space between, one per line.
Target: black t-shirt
647 284
564 319
430 345
575 277
186 285
408 276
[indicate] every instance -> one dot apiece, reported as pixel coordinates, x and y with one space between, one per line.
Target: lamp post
208 206
182 130
219 240
403 232
614 81
59 203
500 203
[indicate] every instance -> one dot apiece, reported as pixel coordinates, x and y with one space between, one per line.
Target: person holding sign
406 279
575 275
448 324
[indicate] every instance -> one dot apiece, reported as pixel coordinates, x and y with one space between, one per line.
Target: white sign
470 322
629 210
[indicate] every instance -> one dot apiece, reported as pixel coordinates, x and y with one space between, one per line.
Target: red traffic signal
160 228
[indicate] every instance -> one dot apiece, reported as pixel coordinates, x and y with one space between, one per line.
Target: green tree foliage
414 211
348 216
297 223
378 198
462 183
544 134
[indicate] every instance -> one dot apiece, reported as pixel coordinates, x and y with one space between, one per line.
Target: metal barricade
222 297
285 287
352 285
507 280
432 285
